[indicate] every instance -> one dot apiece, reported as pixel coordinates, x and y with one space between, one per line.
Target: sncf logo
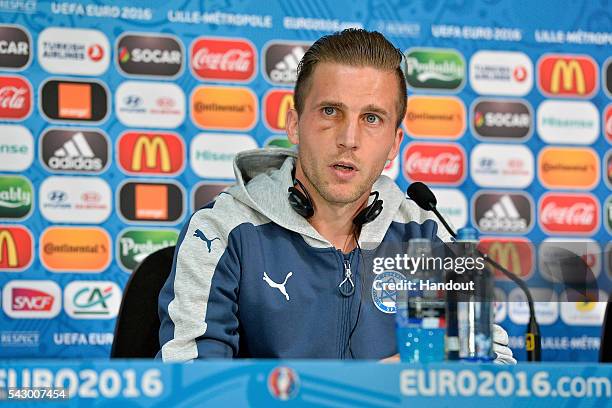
571 76
151 153
16 248
277 103
31 299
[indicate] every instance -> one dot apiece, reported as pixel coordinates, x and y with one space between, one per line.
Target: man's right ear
292 125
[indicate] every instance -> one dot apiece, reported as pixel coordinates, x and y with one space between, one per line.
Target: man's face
347 130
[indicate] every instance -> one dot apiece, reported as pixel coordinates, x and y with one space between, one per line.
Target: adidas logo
285 71
503 216
75 154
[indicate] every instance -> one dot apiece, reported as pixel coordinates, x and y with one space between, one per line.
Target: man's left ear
292 126
397 142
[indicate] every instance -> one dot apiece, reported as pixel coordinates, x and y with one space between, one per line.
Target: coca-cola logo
435 163
568 213
216 59
15 98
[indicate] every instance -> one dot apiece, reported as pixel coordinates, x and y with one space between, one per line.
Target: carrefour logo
433 68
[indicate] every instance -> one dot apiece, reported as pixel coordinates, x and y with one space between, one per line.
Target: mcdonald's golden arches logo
276 104
572 76
16 248
151 153
514 254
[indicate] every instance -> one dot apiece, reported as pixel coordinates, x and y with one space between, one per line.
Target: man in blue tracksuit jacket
257 275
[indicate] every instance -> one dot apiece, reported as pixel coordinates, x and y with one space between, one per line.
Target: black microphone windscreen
422 195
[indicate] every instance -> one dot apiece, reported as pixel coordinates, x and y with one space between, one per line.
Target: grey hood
263 177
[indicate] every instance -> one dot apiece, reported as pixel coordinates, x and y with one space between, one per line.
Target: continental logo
276 104
435 117
76 249
515 254
571 76
565 167
16 248
151 153
434 68
224 108
134 245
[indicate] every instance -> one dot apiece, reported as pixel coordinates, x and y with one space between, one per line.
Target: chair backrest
137 327
605 348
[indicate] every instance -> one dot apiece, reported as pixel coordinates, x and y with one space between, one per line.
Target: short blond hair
354 47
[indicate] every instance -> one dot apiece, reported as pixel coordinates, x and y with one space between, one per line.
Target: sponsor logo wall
113 130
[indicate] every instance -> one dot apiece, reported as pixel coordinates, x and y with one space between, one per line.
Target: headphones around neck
302 204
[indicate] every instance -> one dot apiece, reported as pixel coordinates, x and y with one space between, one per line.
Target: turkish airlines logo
148 55
76 249
565 167
569 213
503 212
276 104
515 254
503 119
15 98
70 151
223 59
571 76
434 163
15 47
16 248
31 299
501 73
151 153
281 60
435 117
151 202
74 101
92 299
231 108
607 125
73 51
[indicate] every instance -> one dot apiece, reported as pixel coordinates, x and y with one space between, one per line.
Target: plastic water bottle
474 310
420 312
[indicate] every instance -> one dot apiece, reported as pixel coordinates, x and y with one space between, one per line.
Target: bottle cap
467 234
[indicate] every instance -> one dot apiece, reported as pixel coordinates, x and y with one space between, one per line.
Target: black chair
605 348
137 327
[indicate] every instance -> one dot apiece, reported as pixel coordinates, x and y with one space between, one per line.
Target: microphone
425 198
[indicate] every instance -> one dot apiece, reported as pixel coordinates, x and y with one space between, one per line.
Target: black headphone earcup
369 213
300 203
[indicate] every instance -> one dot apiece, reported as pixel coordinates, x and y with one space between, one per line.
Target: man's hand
500 347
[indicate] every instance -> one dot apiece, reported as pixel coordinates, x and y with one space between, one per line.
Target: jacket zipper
346 289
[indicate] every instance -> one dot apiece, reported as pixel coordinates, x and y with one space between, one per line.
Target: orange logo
567 75
435 117
151 201
225 108
75 249
566 167
74 101
276 104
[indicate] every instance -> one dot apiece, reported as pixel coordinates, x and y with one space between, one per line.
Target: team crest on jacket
383 298
283 383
